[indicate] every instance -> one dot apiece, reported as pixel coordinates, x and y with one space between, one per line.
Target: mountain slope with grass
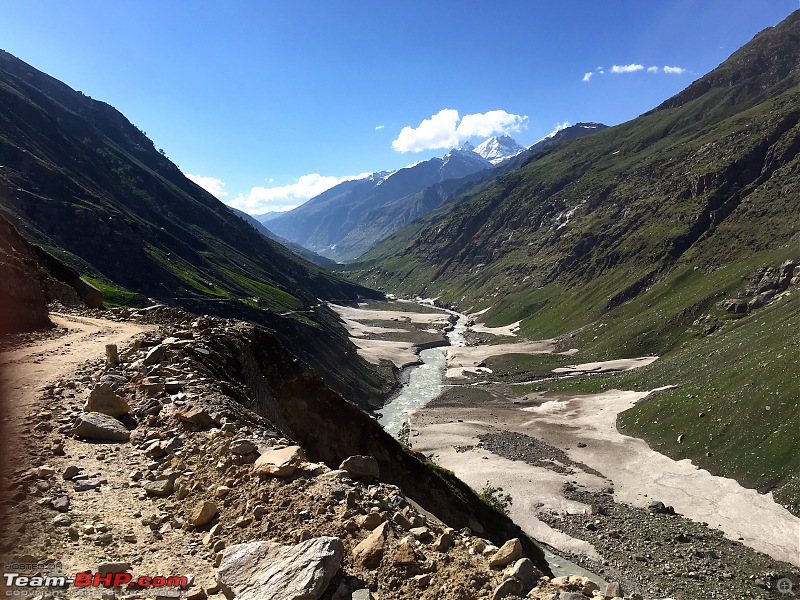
676 234
77 176
80 181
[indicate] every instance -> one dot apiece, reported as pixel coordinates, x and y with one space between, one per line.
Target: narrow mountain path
26 371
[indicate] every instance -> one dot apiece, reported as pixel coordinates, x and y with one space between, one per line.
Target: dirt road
26 371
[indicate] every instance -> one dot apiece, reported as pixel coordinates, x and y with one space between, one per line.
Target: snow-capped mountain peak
497 149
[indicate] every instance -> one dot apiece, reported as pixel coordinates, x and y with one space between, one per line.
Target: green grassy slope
629 240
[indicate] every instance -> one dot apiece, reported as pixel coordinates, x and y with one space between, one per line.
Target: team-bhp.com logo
22 584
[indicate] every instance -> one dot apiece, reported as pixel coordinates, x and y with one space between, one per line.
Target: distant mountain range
347 220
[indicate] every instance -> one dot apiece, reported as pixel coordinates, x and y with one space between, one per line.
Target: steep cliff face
31 279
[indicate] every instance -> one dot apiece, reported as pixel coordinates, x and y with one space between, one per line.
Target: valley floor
582 486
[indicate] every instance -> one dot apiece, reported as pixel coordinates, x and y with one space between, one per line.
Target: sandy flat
461 358
505 330
364 314
402 354
527 484
639 474
607 366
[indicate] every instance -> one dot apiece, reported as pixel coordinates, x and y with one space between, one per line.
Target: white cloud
286 197
626 68
587 76
652 69
674 70
378 127
443 130
212 185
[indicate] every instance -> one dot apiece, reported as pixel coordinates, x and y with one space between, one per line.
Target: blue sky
267 103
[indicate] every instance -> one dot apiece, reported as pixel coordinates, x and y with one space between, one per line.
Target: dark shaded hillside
302 252
84 179
639 239
79 180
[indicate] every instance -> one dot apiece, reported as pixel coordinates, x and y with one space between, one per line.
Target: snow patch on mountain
497 149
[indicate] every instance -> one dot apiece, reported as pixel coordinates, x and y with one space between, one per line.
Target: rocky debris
361 467
369 552
268 570
765 285
657 553
97 426
279 462
102 399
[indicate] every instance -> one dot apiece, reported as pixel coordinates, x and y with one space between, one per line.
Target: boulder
202 513
155 355
361 466
97 426
160 488
102 399
88 293
243 446
112 355
508 553
280 462
508 587
269 570
196 416
525 571
404 556
369 552
613 590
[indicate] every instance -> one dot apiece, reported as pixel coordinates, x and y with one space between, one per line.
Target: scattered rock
508 587
202 513
102 399
361 466
61 504
155 355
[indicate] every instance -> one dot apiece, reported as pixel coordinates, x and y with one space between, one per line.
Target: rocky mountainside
324 223
648 238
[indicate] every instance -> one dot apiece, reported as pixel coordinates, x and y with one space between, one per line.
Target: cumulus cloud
674 70
587 76
286 197
378 127
652 69
632 68
445 130
212 185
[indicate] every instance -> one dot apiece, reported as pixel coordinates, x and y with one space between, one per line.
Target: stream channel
425 382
